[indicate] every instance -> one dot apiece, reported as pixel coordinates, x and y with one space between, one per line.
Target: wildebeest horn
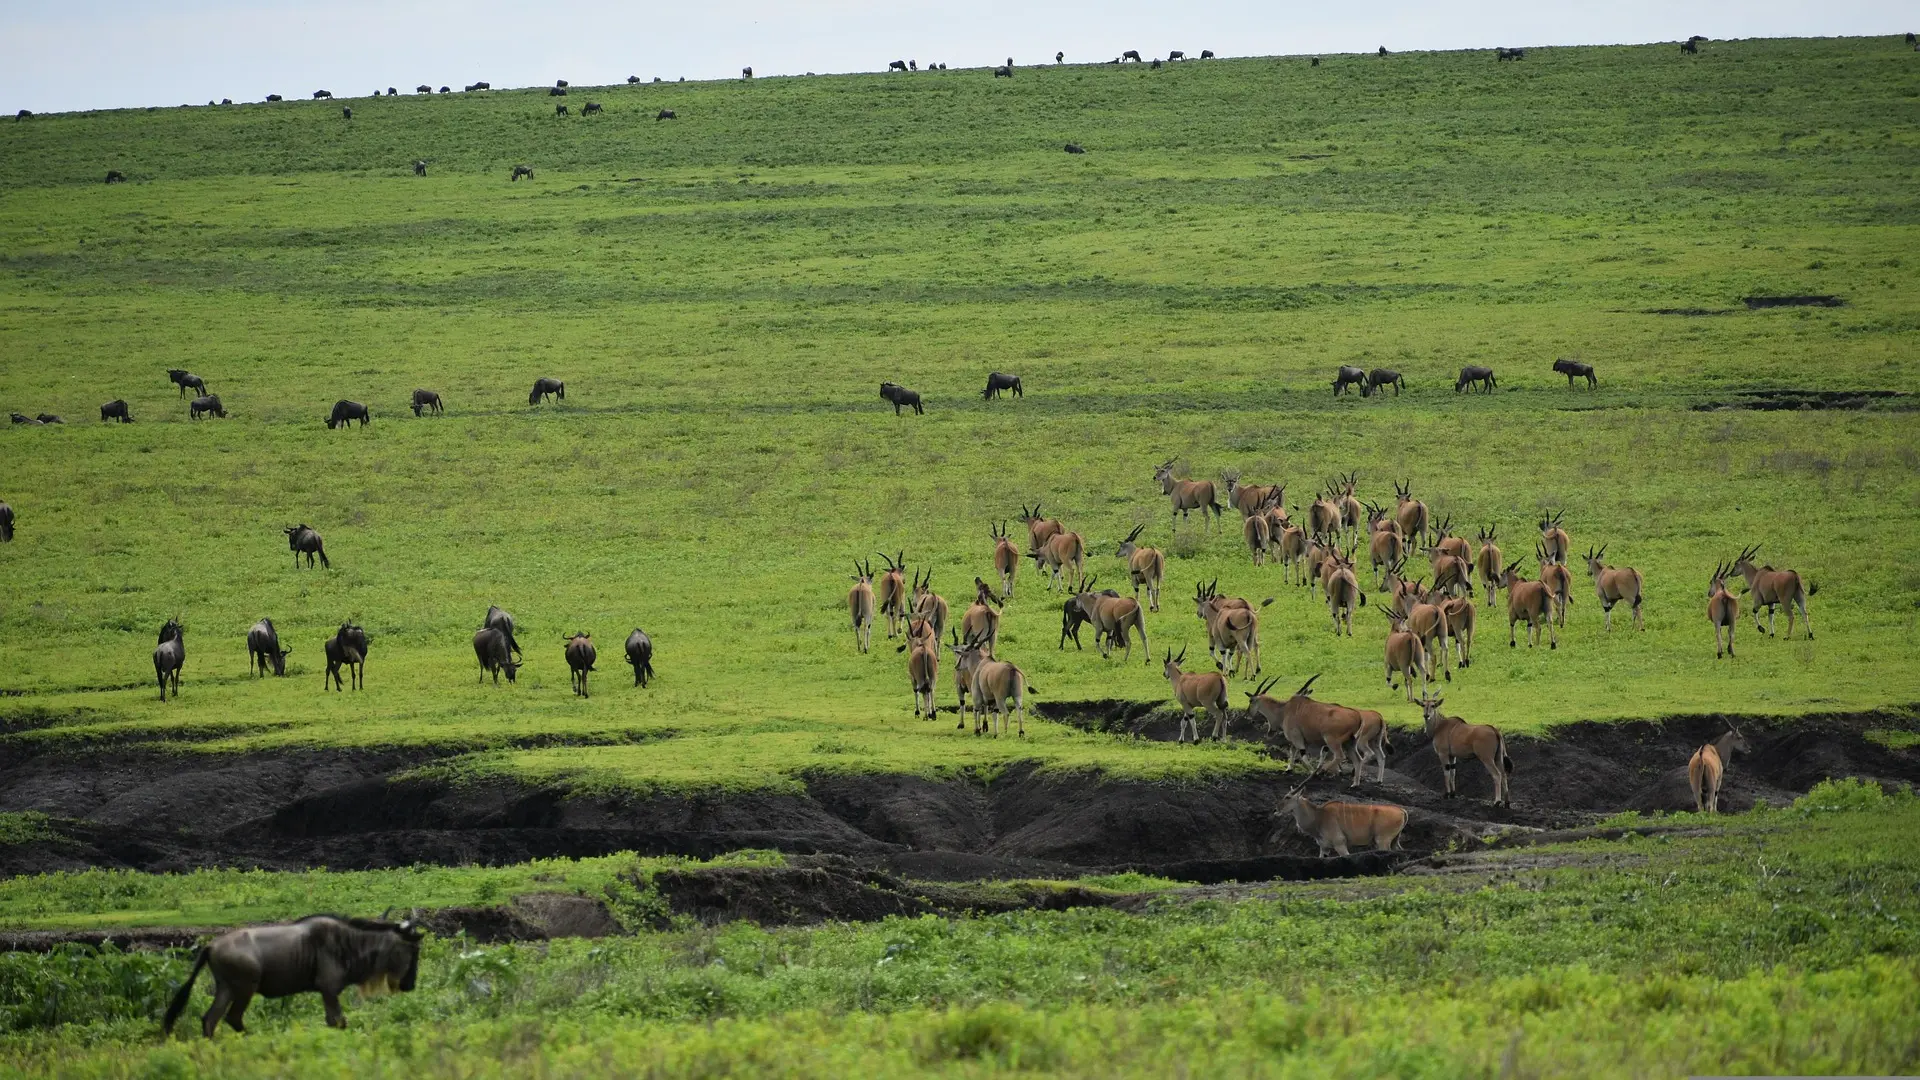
1308 685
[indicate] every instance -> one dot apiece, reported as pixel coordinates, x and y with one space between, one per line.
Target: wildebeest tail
179 1003
1505 761
322 552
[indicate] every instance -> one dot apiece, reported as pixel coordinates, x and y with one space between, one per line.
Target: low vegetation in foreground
1781 941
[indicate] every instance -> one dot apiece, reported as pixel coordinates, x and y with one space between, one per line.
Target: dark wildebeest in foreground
590 108
1003 73
23 418
209 403
559 110
347 648
1131 54
426 401
562 83
116 410
545 387
6 524
1574 369
169 656
1691 47
495 653
901 396
1348 376
302 540
263 649
665 114
114 176
997 382
346 412
419 167
498 619
580 657
321 954
187 380
522 170
49 418
1472 374
1076 148
640 655
1156 64
1380 378
318 94
1316 62
745 73
346 112
1383 50
23 114
897 65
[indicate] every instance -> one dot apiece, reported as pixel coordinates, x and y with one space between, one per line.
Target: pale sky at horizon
88 54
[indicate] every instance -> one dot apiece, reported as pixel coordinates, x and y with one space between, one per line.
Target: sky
90 54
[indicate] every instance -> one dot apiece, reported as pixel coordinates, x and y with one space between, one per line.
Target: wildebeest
391 92
1156 64
23 114
498 619
1131 54
997 382
1316 62
426 401
6 523
559 110
897 65
303 540
1509 54
275 97
263 649
1003 73
632 79
542 388
1176 54
186 380
318 94
590 108
495 653
116 410
580 657
346 112
206 403
901 397
746 73
1206 54
419 167
1382 377
1060 57
1076 148
323 954
480 86
665 114
23 418
423 88
345 412
446 89
640 655
1574 369
114 176
347 648
169 656
1383 50
1348 376
1690 46
49 418
520 171
1474 374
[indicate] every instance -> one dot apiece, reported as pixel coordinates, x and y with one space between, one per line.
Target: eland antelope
1455 740
1768 588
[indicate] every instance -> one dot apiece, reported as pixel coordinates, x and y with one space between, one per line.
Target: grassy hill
723 292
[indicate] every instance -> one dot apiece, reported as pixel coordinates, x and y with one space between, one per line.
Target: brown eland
890 592
1188 496
1615 585
981 622
1708 766
1146 566
1486 562
1338 827
1006 558
1205 690
1343 734
1768 588
1406 656
1455 740
860 605
1723 608
1528 600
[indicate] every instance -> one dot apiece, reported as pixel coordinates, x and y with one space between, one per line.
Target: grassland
722 292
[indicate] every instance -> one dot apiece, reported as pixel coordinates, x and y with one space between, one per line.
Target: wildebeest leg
222 999
335 1018
237 1012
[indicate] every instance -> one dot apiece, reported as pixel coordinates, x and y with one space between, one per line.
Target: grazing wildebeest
481 86
302 540
1690 46
446 89
263 649
664 114
6 523
347 648
419 167
169 655
1472 374
1176 54
1003 73
897 65
346 112
632 79
1076 148
495 652
206 403
23 418
116 410
590 108
1574 369
186 380
23 114
640 655
426 401
900 396
226 101
345 412
322 954
746 73
1156 64
114 176
275 97
1316 62
1131 54
544 387
997 382
562 83
580 657
559 110
1383 50
423 88
1206 54
1059 57
1509 54
1379 378
49 418
318 94
498 619
1348 376
391 92
522 170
